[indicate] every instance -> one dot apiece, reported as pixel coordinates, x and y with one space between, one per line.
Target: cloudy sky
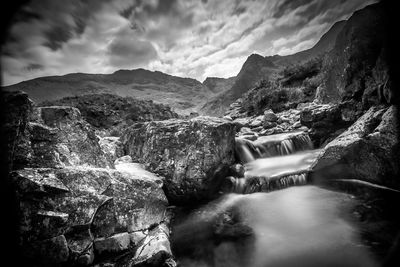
189 38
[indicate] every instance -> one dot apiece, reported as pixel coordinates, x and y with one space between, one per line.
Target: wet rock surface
367 151
188 153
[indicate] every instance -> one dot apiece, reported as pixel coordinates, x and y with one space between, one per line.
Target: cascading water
272 145
272 162
260 222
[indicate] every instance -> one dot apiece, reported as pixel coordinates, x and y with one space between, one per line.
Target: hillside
110 112
254 69
257 68
325 44
183 94
219 85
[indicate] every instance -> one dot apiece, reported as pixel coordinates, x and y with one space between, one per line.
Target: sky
187 38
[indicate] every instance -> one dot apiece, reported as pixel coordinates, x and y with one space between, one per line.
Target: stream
273 216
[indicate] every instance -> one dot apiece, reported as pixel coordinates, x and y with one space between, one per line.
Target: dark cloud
33 67
57 35
60 21
127 51
182 37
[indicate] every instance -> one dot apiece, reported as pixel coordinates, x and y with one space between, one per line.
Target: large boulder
325 120
83 206
368 150
15 132
60 137
188 153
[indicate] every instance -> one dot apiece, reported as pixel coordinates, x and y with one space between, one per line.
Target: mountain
219 85
357 68
258 67
185 95
255 68
325 44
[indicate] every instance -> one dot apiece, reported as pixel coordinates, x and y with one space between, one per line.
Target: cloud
127 51
190 38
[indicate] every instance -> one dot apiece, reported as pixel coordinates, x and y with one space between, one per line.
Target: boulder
85 204
52 251
241 122
113 244
269 124
257 121
367 151
323 120
60 137
15 129
188 153
270 116
153 250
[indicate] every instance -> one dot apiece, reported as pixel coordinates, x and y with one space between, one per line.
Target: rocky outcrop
60 137
76 213
188 153
367 151
15 129
49 136
112 113
356 68
326 121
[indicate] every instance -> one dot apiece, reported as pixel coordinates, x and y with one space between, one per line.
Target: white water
289 226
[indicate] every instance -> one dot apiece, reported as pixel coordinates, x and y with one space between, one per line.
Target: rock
367 151
138 236
80 244
188 153
245 130
250 137
60 137
82 204
241 122
229 118
323 121
258 129
269 124
49 251
114 244
15 129
256 122
297 124
112 147
270 116
154 250
248 134
237 170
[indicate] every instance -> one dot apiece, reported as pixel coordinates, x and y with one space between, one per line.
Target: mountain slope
254 69
325 44
257 67
219 85
356 68
183 94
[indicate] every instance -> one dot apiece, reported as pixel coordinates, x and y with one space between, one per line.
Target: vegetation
294 84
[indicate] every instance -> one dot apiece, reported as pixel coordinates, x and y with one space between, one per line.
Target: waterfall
272 162
272 145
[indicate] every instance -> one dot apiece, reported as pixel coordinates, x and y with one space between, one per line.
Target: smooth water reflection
298 226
